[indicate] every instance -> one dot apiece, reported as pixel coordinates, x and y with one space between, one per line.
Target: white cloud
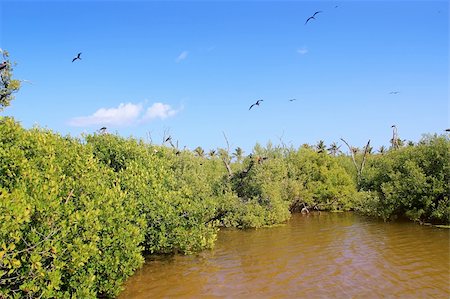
182 56
302 51
159 110
125 114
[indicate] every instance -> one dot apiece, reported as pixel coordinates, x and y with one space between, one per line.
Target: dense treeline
410 182
78 215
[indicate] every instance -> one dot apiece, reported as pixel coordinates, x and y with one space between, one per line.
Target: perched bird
447 130
102 130
312 17
3 65
78 57
255 104
168 139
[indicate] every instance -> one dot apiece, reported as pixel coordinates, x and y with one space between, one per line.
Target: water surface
328 255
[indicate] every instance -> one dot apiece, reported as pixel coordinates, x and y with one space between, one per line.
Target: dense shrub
320 181
67 229
171 189
410 182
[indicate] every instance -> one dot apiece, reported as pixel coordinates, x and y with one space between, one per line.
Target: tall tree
238 154
8 85
334 149
321 147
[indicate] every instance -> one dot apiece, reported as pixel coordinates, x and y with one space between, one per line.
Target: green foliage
76 216
8 85
410 182
67 229
172 192
323 182
260 199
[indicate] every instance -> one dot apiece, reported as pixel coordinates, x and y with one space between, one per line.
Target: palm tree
238 154
321 147
334 149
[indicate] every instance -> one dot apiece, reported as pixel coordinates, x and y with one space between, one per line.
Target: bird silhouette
312 17
3 65
291 100
255 104
78 57
394 92
102 130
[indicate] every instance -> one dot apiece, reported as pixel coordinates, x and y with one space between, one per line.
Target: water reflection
326 255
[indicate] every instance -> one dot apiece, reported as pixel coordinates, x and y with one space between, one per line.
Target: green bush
172 192
319 180
67 229
411 182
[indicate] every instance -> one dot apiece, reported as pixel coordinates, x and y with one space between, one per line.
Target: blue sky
192 69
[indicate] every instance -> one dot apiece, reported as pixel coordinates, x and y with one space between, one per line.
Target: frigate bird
255 104
394 92
291 100
77 57
102 130
312 17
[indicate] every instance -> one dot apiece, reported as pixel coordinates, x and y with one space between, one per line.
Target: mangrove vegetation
78 214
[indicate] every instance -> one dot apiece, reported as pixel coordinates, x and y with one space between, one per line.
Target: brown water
331 255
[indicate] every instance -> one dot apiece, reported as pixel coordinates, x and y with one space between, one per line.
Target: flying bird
291 100
78 57
394 92
255 104
312 17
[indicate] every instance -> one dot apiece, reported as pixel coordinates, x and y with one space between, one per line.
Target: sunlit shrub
67 229
411 182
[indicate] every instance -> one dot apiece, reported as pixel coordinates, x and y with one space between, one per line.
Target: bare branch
366 151
228 144
351 153
226 157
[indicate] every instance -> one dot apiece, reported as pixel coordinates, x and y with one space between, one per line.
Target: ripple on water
326 255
